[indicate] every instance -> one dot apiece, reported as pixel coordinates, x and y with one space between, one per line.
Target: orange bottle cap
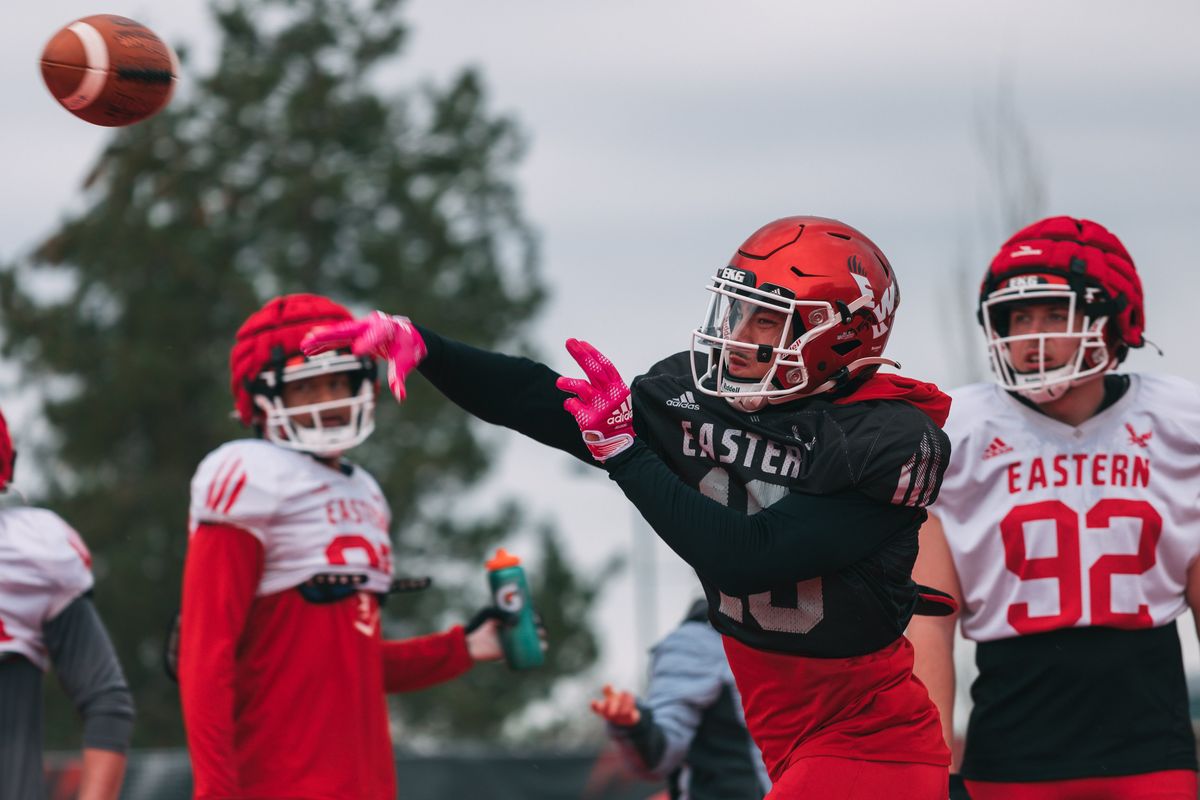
502 559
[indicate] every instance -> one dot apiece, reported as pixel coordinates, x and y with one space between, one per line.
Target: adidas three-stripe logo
686 400
998 447
622 415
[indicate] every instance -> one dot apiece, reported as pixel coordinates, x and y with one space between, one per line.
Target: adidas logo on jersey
622 415
686 400
996 448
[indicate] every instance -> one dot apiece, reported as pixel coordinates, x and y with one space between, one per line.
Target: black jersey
801 522
883 453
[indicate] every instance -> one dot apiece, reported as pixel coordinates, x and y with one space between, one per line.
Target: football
109 70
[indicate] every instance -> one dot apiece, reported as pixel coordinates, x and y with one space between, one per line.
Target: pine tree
285 169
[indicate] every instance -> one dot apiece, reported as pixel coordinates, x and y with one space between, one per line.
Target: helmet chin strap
730 385
1056 391
747 404
757 403
851 368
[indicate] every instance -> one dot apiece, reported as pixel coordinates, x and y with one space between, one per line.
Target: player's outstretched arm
87 668
514 392
797 538
933 636
423 661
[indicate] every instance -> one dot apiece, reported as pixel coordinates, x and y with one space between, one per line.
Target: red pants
829 778
1175 784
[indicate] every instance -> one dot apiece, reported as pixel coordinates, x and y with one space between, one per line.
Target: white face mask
1090 355
737 369
735 356
301 427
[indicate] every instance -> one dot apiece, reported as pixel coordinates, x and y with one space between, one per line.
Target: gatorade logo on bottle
519 635
509 598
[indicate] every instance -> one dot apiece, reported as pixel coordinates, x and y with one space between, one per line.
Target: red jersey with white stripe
310 519
44 565
1053 526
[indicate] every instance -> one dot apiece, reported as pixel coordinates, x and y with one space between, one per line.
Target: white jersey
1053 526
310 519
44 566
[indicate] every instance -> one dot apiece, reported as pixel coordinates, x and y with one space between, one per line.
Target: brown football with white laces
109 70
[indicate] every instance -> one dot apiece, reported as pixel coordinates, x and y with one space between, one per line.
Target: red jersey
282 697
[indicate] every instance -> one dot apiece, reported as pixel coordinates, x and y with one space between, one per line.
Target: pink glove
601 406
378 334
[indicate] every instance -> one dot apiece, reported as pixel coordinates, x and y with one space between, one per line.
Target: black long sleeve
511 391
795 539
86 664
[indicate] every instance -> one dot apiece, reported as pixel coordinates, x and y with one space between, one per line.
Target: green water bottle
510 591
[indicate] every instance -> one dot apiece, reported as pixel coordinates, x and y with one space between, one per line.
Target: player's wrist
643 719
631 725
624 455
603 447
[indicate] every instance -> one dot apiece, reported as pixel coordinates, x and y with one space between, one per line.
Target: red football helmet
267 355
805 305
8 456
1085 267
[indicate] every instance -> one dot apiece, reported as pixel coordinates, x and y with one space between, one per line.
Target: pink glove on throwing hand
601 405
378 334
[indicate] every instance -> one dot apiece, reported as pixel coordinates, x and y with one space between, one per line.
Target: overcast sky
663 133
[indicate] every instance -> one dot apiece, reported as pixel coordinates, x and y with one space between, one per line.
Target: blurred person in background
47 619
689 731
282 666
1068 528
778 463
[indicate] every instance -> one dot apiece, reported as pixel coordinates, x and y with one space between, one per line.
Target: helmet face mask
1084 338
266 359
302 427
731 311
832 290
